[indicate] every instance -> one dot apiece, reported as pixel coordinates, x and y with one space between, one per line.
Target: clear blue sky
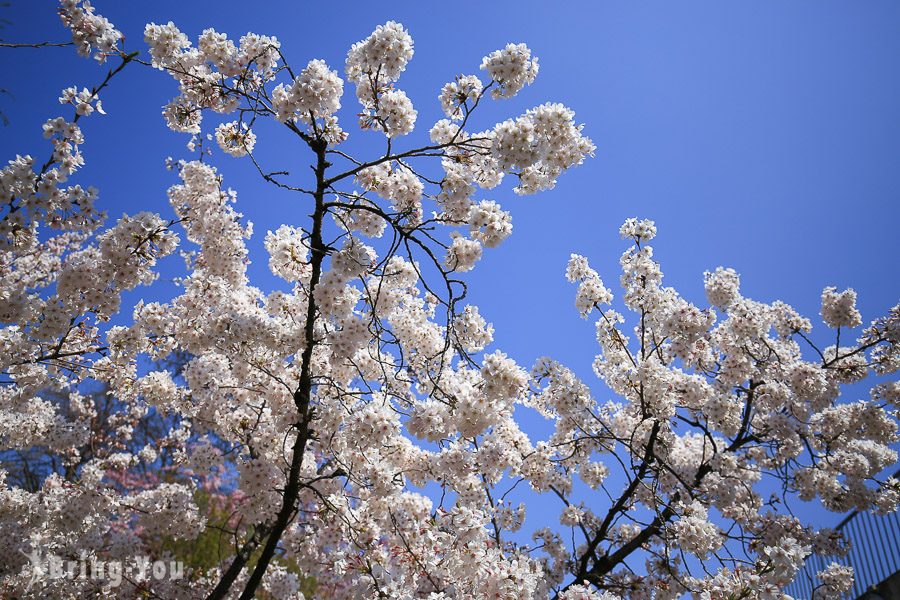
759 135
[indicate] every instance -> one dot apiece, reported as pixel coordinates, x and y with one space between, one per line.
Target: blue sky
763 136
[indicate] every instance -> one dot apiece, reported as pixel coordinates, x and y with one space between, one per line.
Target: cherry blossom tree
358 434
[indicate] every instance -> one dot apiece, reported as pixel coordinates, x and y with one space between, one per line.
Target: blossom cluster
90 32
314 94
